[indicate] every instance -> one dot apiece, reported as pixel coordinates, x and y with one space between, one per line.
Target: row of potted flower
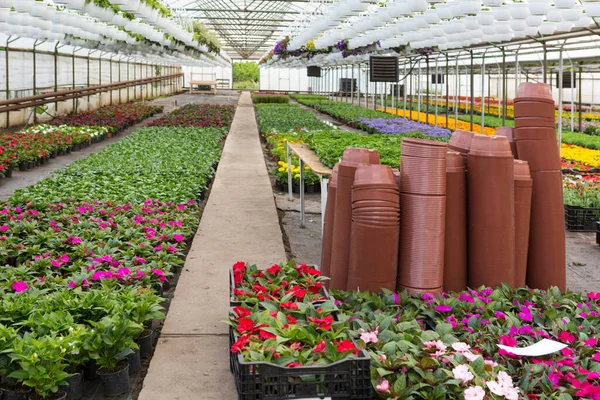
82 279
197 115
436 347
117 117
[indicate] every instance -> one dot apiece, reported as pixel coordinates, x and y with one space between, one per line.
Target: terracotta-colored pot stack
423 215
509 133
342 219
523 188
491 212
535 133
328 225
461 142
375 229
455 247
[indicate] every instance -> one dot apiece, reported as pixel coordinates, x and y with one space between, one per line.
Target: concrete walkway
239 223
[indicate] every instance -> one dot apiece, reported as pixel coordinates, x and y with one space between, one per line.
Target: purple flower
442 308
399 126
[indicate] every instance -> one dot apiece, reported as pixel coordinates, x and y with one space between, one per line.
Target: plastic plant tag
541 348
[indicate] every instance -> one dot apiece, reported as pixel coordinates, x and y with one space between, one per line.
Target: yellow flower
281 169
282 164
576 153
297 176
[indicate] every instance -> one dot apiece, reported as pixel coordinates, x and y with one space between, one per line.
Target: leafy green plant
282 118
257 99
581 139
112 340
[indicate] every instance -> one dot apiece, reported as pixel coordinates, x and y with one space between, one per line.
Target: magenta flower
72 285
500 315
566 337
173 249
442 308
591 342
178 237
19 286
56 263
4 228
158 248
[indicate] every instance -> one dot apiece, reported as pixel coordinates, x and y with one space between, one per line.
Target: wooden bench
203 79
308 157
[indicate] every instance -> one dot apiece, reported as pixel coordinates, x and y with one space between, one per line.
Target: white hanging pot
554 15
584 22
539 7
417 5
501 13
592 9
518 24
420 22
437 31
530 31
564 3
78 5
431 16
6 3
564 26
485 18
470 7
119 2
519 10
132 5
488 29
492 3
25 6
477 34
4 14
534 21
471 23
519 34
572 14
502 27
443 11
39 10
505 37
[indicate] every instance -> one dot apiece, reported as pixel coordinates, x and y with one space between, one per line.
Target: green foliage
282 118
490 120
173 164
257 99
245 71
206 37
581 139
245 85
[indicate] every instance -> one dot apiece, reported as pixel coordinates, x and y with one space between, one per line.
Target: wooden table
308 157
197 78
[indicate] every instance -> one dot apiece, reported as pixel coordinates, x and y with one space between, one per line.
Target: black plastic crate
579 219
346 379
233 302
598 232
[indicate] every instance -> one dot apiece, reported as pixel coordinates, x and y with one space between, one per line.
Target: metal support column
447 89
427 78
472 93
545 63
352 86
7 75
35 77
560 98
504 88
579 100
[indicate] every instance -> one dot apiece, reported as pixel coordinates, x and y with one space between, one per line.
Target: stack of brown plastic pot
461 142
328 225
342 216
509 133
535 133
491 213
423 216
455 247
375 229
523 188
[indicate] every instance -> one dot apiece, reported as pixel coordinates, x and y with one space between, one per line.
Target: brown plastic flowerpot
455 244
535 133
375 194
397 177
534 90
491 212
419 291
523 189
508 133
460 141
424 148
422 227
423 175
374 176
361 156
373 257
542 155
524 109
532 122
328 225
546 259
357 205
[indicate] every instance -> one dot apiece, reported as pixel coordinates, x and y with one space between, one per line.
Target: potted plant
40 365
145 307
10 387
109 345
75 357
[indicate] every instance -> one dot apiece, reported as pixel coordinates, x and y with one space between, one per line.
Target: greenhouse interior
299 199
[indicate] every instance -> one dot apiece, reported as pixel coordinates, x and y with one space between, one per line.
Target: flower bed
399 126
197 115
278 118
579 154
270 98
118 117
152 163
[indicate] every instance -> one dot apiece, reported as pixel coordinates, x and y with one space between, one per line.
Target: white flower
461 347
474 393
462 372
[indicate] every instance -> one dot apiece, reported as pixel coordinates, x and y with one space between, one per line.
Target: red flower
298 292
238 277
507 341
239 266
319 348
245 324
289 305
293 364
322 323
274 270
241 293
259 289
241 312
345 346
316 288
296 346
566 337
266 335
273 314
240 343
306 270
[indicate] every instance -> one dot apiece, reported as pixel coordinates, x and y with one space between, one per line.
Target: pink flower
382 357
72 285
4 228
369 337
383 386
19 286
442 308
507 341
461 347
594 296
500 315
56 263
437 344
172 249
596 357
64 258
491 363
463 373
470 356
178 237
474 393
591 342
566 337
158 248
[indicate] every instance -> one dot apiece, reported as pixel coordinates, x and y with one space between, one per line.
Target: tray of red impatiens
280 283
297 350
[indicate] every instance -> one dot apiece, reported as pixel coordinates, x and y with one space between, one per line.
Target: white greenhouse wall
284 79
221 73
